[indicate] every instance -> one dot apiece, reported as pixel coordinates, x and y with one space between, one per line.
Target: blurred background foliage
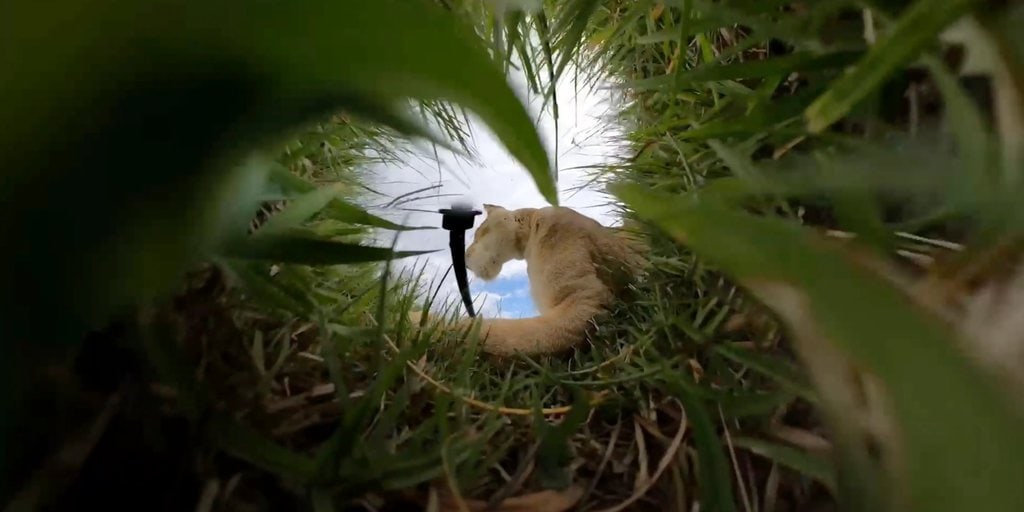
196 316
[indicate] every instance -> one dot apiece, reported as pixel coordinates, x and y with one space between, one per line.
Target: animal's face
493 244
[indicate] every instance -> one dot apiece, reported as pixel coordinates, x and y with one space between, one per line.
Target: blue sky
512 293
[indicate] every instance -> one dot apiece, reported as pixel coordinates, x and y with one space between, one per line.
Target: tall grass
162 110
752 119
818 189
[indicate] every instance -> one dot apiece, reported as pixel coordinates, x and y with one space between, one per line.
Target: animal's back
574 257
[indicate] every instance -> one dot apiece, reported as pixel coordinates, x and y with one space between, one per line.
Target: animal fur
575 265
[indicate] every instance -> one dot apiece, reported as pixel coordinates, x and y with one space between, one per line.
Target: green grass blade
255 278
326 199
570 27
918 27
404 49
784 65
219 90
301 209
321 500
939 398
695 26
805 463
291 248
963 119
554 453
247 444
714 477
782 372
344 211
288 181
683 49
752 404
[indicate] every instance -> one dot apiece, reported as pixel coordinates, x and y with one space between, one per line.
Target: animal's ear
491 207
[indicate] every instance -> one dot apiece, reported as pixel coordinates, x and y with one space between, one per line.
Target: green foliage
915 29
717 96
174 90
808 464
755 127
160 108
929 381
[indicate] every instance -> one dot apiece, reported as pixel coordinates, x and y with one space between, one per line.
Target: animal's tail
560 329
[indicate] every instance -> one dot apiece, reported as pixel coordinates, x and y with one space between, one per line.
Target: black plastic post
457 221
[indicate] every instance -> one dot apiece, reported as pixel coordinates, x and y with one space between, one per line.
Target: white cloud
487 304
514 268
519 293
584 134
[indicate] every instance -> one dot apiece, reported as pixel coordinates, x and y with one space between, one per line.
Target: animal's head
498 240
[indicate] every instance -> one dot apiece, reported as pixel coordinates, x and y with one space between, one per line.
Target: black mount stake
457 221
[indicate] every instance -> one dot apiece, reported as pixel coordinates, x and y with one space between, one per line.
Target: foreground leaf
301 209
959 433
555 453
918 27
328 201
808 464
776 66
247 444
783 373
289 248
164 98
715 481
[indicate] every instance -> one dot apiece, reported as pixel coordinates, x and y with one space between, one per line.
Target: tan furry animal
576 267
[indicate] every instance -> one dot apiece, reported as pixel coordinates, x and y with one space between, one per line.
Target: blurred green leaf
255 278
164 97
939 398
695 26
805 463
322 500
714 478
305 250
245 443
555 453
782 372
771 116
752 404
288 181
685 30
406 472
570 27
170 366
913 31
346 212
324 199
774 66
301 209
